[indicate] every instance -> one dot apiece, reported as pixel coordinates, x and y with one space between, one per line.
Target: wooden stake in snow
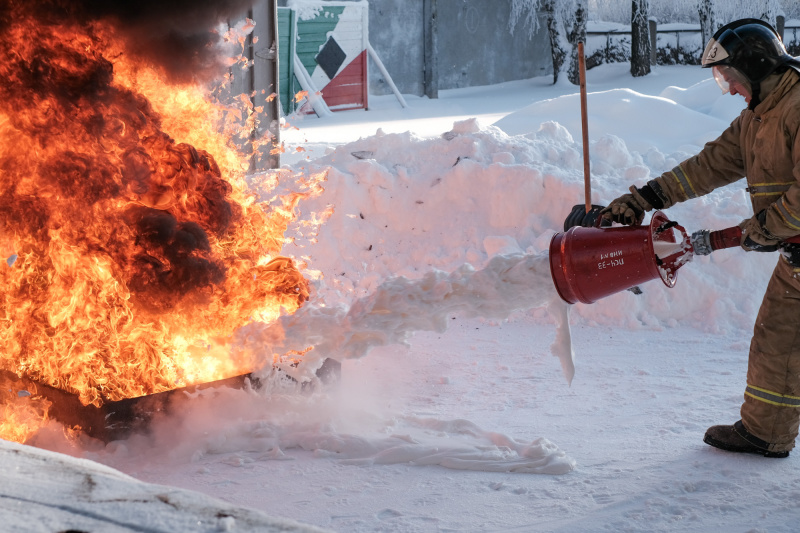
313 97
587 179
385 73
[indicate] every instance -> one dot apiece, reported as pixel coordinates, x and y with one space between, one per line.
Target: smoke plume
178 35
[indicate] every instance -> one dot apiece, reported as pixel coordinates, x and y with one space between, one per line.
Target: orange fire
21 415
136 253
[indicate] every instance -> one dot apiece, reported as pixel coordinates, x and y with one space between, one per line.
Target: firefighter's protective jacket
762 144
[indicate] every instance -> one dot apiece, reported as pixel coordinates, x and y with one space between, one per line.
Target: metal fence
672 45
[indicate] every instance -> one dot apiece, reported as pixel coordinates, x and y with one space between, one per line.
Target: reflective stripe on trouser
772 398
771 409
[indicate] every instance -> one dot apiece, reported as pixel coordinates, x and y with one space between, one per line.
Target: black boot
736 438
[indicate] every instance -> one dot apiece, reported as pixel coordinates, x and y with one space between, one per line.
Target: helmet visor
726 76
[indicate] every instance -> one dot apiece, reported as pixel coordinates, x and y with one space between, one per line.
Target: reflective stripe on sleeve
768 189
772 398
790 218
683 181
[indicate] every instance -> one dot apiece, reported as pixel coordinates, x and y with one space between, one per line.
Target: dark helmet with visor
748 51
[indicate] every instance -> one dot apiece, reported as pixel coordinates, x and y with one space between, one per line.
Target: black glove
791 251
755 237
629 209
579 217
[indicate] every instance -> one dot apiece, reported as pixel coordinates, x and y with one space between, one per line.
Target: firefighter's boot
736 438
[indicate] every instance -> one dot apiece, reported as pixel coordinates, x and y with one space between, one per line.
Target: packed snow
471 397
45 492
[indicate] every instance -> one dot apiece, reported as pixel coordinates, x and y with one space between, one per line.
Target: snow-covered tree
526 14
714 13
724 11
640 38
575 36
566 23
558 48
769 10
708 25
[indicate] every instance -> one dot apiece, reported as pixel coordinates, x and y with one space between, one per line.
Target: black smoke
173 258
179 35
91 163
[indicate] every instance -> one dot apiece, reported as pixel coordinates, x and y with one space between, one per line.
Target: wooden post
430 79
264 82
587 178
781 25
653 41
242 83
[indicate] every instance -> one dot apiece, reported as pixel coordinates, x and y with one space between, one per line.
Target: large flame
138 254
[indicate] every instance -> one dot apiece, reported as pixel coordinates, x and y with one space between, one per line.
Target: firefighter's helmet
749 50
751 46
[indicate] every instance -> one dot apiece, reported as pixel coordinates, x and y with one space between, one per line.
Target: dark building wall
474 45
396 34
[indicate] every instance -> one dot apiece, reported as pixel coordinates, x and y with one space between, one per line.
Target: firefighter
748 58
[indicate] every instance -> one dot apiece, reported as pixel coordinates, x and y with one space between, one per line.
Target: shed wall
474 45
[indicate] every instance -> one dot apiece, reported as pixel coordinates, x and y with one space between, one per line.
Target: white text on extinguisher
611 259
611 263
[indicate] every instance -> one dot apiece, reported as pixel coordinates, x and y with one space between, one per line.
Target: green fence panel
287 83
313 33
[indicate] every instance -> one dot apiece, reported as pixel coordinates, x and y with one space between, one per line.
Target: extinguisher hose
706 241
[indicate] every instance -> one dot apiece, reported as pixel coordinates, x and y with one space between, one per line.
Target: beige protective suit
764 145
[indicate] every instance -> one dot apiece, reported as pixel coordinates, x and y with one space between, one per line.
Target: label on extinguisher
611 259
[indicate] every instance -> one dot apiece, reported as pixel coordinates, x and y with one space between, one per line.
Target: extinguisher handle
705 241
725 238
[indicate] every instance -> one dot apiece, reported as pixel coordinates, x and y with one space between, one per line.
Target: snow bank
46 491
626 114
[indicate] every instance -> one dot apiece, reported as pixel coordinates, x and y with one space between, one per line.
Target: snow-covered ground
46 492
437 220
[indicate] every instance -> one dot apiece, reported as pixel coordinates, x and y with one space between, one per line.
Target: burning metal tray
119 419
